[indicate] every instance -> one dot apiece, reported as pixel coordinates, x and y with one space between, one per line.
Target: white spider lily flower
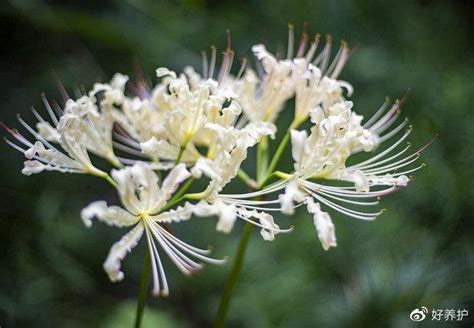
137 121
231 151
113 92
191 104
83 126
323 155
262 97
315 76
144 199
180 106
313 89
95 126
311 79
70 156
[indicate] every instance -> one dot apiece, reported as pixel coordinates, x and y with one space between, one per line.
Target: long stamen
49 109
272 188
378 113
348 212
204 65
180 263
35 134
153 255
313 48
393 132
392 111
242 68
129 150
196 252
213 62
291 40
347 200
385 152
392 166
347 192
245 218
388 159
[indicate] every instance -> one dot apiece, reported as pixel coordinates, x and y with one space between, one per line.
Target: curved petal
292 194
132 184
269 227
170 184
181 213
227 213
119 250
298 141
324 226
112 215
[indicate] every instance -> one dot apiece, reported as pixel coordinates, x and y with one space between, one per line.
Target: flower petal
287 199
174 178
118 252
181 213
324 226
112 215
298 141
227 213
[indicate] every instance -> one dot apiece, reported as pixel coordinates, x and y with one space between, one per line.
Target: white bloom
262 98
231 151
337 134
178 111
311 79
144 199
208 121
84 126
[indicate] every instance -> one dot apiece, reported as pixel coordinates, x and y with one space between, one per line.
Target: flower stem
262 159
251 183
181 152
277 155
262 162
233 276
142 295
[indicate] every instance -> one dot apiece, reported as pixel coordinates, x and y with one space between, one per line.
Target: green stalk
262 158
247 179
182 190
278 153
142 295
262 162
181 152
233 276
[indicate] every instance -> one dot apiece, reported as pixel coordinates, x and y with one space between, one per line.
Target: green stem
142 295
247 179
105 176
171 204
262 158
181 152
233 276
277 155
262 162
182 190
111 181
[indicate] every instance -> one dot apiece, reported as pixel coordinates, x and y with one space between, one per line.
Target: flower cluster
193 126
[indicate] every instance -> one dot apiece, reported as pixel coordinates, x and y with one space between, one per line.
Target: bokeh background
419 253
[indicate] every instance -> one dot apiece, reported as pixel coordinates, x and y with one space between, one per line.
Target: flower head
143 200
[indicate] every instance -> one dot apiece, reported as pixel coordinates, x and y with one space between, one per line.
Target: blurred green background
419 253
